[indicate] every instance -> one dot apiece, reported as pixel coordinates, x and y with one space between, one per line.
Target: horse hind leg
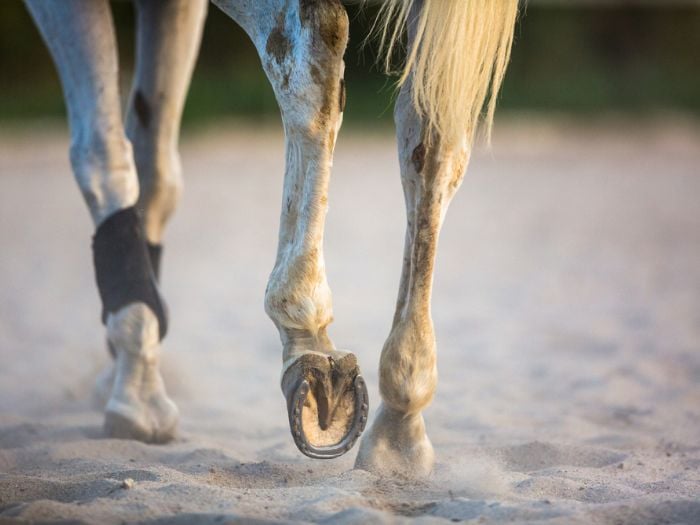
301 45
431 172
458 52
80 36
168 39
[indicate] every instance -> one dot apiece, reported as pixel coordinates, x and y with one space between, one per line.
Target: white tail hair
456 60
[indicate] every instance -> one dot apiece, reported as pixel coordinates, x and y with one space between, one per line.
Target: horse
129 173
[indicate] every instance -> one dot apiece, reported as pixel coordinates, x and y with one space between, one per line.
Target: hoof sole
356 427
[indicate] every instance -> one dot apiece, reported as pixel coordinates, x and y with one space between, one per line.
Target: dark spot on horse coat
328 24
277 43
306 10
325 83
316 75
330 19
142 109
427 211
418 157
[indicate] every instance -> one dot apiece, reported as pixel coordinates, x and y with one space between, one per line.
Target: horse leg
301 45
168 36
431 172
80 37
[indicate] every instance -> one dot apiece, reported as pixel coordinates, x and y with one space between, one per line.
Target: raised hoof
327 403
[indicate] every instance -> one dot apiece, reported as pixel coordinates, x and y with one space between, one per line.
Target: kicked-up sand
566 306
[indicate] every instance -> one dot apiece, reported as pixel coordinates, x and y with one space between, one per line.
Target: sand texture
566 306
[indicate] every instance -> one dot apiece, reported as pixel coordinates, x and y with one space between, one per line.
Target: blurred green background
569 57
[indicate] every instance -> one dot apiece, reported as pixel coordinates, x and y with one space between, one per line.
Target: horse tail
457 58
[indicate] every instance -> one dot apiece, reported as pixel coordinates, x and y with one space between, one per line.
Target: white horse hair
457 55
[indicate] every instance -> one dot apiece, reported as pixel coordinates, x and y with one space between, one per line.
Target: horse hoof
154 422
396 445
327 403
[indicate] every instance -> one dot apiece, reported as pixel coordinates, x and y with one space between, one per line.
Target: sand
566 305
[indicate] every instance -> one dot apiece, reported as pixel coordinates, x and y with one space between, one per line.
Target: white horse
130 175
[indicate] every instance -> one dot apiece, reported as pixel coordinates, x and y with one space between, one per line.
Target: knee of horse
297 296
104 169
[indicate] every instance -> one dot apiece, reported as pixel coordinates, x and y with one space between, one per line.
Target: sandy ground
566 305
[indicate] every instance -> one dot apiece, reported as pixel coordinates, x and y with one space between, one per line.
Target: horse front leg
168 36
431 172
80 37
301 45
